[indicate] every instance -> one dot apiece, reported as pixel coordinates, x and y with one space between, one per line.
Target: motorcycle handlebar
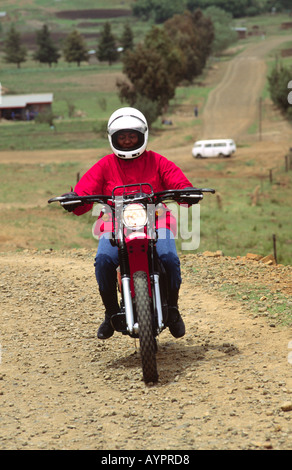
80 199
169 194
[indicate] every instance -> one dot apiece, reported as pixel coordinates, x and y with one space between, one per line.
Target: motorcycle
141 279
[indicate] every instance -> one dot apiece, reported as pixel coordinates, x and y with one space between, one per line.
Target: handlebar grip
208 190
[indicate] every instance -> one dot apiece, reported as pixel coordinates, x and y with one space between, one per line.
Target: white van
213 148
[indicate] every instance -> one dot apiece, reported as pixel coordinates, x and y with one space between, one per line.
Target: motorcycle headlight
135 216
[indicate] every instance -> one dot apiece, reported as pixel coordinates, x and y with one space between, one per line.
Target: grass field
90 90
236 227
30 15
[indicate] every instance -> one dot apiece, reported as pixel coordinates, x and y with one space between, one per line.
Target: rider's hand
190 199
70 207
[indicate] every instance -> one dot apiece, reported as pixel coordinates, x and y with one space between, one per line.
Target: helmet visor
129 144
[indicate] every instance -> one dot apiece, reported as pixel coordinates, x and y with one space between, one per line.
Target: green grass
70 85
42 11
34 184
267 23
33 222
65 135
238 227
77 86
261 301
81 86
235 229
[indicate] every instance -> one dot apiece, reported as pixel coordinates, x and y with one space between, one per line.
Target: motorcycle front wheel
146 330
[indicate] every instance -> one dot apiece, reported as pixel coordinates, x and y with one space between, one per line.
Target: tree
149 108
148 77
107 48
15 53
158 10
127 39
177 51
237 8
224 36
164 9
278 87
47 52
143 9
158 40
75 48
284 4
192 34
150 71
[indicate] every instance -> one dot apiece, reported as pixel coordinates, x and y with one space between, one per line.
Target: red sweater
111 171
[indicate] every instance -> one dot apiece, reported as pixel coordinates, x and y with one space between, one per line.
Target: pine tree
107 48
47 52
127 39
75 49
15 53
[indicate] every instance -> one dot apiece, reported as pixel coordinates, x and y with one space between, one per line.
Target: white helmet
127 119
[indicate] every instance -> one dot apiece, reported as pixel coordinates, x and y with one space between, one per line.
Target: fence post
275 247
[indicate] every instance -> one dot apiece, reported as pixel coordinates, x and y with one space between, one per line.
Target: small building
241 32
287 25
24 107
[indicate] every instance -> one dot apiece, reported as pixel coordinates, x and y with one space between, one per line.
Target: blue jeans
106 262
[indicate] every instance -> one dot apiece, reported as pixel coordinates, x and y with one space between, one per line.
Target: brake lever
66 203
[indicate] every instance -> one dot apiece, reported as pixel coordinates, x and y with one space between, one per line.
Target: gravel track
225 385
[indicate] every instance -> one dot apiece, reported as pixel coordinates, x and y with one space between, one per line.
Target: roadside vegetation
25 211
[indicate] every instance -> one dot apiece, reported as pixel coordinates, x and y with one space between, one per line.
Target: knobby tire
146 331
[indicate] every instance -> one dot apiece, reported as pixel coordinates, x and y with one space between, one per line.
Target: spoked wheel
145 322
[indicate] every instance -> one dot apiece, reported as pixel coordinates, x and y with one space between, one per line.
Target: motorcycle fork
138 254
125 286
155 285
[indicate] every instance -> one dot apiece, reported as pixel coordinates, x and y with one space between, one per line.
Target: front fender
137 247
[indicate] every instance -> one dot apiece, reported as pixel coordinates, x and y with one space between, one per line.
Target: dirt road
234 104
226 385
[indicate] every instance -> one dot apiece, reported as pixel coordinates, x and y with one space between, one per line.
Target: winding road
234 104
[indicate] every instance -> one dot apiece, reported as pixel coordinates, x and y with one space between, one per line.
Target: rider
131 163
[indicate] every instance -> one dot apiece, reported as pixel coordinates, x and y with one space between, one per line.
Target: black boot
105 330
110 302
175 322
